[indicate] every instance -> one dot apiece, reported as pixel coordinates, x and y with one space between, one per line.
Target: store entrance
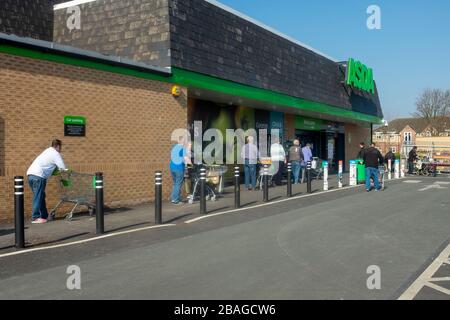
312 137
329 146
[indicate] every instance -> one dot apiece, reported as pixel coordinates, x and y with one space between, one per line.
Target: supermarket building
117 70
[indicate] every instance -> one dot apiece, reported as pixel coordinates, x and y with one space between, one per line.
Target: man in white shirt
38 173
278 156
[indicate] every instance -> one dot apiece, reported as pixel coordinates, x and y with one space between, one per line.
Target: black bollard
237 188
266 183
19 215
99 210
289 180
158 197
308 177
202 191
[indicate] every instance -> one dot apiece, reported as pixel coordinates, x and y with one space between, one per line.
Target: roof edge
80 53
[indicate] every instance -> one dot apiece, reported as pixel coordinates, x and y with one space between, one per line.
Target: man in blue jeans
178 160
249 154
372 159
296 159
38 173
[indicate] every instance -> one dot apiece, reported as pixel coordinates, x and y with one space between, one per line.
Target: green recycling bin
361 170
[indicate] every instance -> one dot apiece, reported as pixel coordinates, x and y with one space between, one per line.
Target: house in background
401 135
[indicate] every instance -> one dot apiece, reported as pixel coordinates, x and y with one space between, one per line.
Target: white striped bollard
266 183
397 169
19 215
289 180
99 206
389 169
237 188
202 191
325 175
158 197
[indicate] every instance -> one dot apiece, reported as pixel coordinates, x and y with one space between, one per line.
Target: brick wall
27 18
354 135
133 29
129 125
289 126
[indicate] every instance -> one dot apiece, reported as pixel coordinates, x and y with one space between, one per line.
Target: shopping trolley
212 181
78 189
270 172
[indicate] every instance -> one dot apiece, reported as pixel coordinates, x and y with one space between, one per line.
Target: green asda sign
360 76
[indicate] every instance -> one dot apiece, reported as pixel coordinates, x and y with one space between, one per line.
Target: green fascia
192 79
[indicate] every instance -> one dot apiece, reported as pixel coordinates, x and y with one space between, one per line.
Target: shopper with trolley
38 173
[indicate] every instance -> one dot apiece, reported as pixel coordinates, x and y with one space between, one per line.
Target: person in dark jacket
296 158
412 157
362 147
373 159
390 156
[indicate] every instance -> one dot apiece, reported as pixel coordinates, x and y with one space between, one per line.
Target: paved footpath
122 219
322 246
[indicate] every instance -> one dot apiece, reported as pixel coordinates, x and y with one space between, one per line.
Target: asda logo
360 76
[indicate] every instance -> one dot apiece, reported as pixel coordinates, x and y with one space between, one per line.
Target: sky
410 53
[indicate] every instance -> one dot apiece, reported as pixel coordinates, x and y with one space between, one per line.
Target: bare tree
434 106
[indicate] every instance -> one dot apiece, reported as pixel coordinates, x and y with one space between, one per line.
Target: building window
407 137
394 149
378 135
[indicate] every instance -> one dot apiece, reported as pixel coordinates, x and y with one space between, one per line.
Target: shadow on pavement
130 226
218 210
178 218
31 245
6 232
248 204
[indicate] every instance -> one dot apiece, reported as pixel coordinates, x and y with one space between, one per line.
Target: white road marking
425 278
433 186
84 241
438 288
446 183
412 181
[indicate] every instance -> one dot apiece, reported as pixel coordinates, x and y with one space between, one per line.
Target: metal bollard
99 210
202 191
158 197
353 172
289 180
340 175
325 175
397 169
266 183
389 169
308 177
19 215
402 170
237 188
